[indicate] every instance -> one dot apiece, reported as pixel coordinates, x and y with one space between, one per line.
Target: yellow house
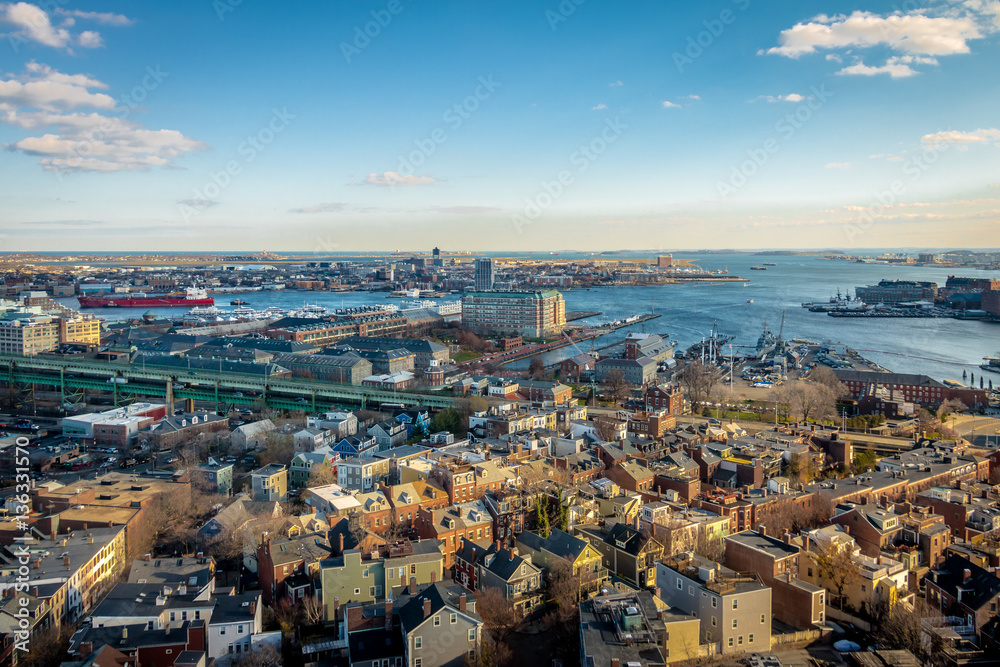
560 547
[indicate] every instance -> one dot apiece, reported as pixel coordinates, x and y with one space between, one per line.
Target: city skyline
219 126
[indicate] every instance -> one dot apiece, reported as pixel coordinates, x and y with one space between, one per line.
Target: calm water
941 348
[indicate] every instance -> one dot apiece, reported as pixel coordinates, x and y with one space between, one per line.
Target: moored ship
192 296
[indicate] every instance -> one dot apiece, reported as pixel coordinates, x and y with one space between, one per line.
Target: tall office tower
484 274
436 258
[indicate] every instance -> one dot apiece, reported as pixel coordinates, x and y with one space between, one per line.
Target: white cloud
615 84
834 57
667 104
45 88
895 68
90 39
599 107
791 97
957 137
466 210
906 33
198 203
694 97
33 24
104 18
395 178
837 165
329 207
82 141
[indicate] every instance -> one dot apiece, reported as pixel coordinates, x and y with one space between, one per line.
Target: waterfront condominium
530 314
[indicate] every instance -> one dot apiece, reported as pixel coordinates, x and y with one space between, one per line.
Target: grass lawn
465 355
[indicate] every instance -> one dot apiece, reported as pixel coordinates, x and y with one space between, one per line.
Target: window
690 590
222 630
239 629
173 616
413 568
762 618
454 619
735 603
418 662
680 584
730 641
437 620
750 638
714 623
418 642
357 591
472 634
734 623
715 602
740 642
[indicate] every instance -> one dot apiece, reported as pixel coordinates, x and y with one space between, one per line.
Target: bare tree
313 611
262 655
606 428
835 564
617 387
500 619
321 475
698 380
536 368
288 615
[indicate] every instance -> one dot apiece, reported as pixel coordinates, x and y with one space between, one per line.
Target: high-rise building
437 261
484 274
531 314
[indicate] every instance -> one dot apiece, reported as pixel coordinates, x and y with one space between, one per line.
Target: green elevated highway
128 381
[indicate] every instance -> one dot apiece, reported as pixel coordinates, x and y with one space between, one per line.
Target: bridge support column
189 405
168 396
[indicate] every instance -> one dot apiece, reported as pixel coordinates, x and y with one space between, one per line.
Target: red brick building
665 397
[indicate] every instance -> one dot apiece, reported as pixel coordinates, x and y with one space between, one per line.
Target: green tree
447 420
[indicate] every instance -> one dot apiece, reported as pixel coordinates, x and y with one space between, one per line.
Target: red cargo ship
194 296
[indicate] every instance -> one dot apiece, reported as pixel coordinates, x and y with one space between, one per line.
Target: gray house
440 627
734 608
636 371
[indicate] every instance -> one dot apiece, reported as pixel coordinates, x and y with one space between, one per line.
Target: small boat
239 302
749 300
758 268
992 364
769 264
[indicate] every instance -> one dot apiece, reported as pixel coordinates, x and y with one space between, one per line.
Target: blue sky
579 124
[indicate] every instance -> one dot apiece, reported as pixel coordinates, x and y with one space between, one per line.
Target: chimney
148 557
787 538
434 576
84 525
388 615
34 591
805 543
353 616
86 648
336 607
762 530
66 561
124 632
253 607
413 585
462 602
966 575
340 541
427 607
614 662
